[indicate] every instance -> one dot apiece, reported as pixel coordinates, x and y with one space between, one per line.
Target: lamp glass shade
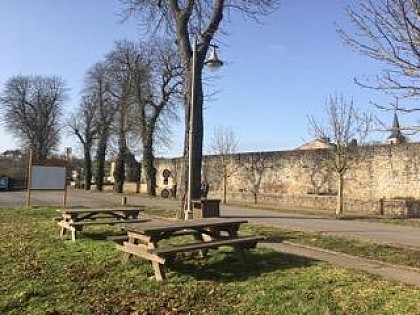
213 62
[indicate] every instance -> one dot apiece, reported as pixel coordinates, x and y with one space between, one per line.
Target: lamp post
213 62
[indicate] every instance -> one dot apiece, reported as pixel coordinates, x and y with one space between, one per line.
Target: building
396 135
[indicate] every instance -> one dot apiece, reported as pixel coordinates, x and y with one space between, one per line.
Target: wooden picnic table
74 220
144 239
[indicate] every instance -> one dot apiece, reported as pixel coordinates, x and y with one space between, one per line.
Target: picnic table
209 233
73 220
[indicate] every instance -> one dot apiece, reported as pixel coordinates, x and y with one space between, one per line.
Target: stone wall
320 203
307 179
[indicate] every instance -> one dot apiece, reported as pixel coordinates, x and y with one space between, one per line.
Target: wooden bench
78 226
118 239
58 219
73 219
241 242
144 239
159 256
108 222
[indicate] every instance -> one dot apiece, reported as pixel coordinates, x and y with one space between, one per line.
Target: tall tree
97 89
346 127
388 31
223 146
82 125
32 109
120 63
157 87
184 21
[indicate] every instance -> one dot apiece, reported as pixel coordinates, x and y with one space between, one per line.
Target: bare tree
32 108
185 21
223 146
389 32
96 87
120 63
255 169
83 125
345 127
157 89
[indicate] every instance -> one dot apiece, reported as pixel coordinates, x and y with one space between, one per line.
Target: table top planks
98 210
156 226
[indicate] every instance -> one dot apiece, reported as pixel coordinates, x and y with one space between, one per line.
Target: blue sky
275 73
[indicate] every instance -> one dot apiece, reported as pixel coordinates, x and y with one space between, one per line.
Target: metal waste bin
206 208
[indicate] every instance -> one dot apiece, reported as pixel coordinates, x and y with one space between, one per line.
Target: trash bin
206 208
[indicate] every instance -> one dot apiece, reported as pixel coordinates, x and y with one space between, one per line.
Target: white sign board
48 178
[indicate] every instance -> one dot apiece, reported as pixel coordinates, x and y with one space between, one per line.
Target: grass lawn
366 249
42 274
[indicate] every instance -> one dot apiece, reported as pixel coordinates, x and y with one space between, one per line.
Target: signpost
42 177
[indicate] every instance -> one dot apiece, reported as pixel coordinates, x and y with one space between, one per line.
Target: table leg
157 267
201 237
238 250
127 256
73 234
159 271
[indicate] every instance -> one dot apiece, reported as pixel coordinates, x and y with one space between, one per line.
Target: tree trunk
224 188
119 173
148 163
197 128
100 157
340 200
88 167
255 195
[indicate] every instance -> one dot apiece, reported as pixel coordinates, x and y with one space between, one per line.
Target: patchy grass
352 246
413 222
42 274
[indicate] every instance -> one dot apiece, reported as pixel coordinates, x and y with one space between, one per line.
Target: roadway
373 231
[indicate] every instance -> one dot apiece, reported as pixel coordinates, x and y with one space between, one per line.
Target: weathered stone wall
383 171
387 171
306 178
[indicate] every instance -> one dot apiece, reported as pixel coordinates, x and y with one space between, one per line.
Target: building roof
318 143
395 129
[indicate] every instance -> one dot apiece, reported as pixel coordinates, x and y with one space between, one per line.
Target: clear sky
275 73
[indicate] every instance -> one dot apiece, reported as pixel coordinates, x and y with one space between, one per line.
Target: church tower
396 136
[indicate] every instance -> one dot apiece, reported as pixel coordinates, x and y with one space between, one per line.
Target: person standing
204 188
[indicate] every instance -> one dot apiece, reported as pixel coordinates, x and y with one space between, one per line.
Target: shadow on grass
276 239
101 235
226 268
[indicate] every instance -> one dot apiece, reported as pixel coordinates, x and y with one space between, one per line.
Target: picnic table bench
209 233
73 220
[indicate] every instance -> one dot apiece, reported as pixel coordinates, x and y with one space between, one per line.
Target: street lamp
214 63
